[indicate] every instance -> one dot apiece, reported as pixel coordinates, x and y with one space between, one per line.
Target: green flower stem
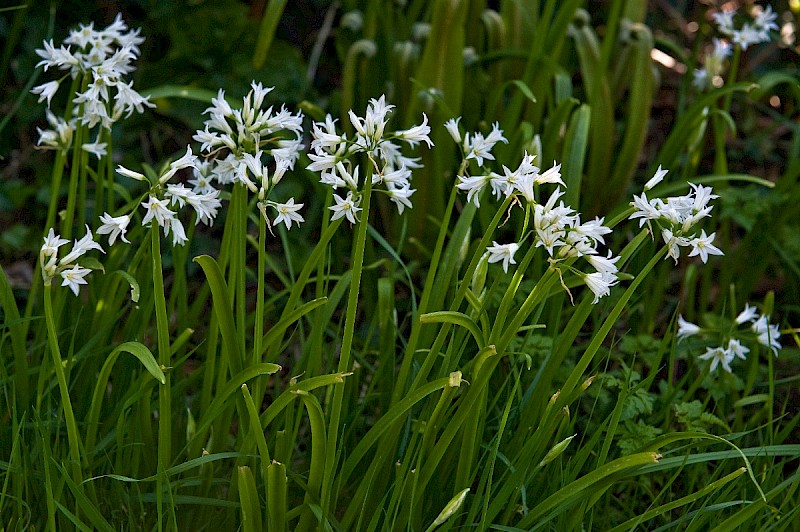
399 389
66 403
600 335
347 343
258 332
162 328
109 173
720 130
236 272
74 178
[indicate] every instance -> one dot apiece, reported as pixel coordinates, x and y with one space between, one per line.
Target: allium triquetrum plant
246 337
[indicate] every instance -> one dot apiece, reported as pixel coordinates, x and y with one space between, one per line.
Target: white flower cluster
713 66
102 58
558 228
249 136
764 332
332 152
72 274
676 217
754 30
162 199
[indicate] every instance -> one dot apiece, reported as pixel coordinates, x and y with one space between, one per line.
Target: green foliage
383 374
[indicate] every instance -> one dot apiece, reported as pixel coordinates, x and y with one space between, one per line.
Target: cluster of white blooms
254 139
332 152
740 30
713 66
558 227
161 199
102 59
754 30
676 218
72 274
764 332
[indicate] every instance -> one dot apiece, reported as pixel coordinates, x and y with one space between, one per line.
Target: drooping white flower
686 328
80 247
600 284
114 227
417 133
748 314
46 91
767 334
603 264
98 149
502 252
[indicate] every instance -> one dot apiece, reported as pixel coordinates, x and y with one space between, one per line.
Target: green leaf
221 298
248 497
134 284
456 318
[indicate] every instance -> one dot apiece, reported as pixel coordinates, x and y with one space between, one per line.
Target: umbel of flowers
556 227
67 267
253 146
98 61
740 30
733 339
161 199
333 154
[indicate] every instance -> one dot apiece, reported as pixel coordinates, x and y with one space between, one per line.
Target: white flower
452 128
80 247
656 179
158 209
287 213
417 133
603 264
748 314
718 355
686 329
98 149
178 233
400 197
46 91
703 246
73 277
114 227
673 243
600 284
130 173
502 252
736 349
768 334
51 244
473 185
344 207
480 147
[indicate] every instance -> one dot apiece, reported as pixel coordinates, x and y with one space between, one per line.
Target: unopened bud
556 451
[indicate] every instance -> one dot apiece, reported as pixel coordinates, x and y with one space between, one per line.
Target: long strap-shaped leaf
221 298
